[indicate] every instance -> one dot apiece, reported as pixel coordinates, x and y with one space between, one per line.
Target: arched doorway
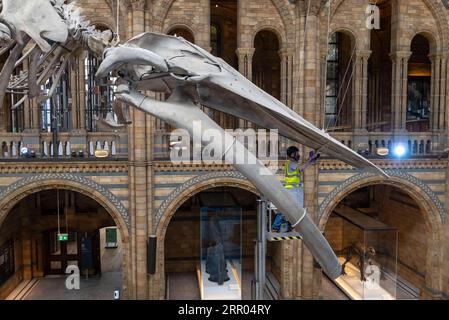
48 229
184 244
339 79
387 207
267 63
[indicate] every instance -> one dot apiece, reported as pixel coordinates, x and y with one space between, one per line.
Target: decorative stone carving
393 173
82 181
51 167
162 211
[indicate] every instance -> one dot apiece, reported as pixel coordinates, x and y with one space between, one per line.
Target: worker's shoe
285 227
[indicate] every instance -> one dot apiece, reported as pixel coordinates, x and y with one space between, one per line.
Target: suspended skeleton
192 77
52 34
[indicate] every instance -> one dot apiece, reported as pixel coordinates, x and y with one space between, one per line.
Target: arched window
419 79
339 80
57 107
99 94
182 32
267 63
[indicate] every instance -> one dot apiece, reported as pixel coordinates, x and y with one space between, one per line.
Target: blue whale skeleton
191 77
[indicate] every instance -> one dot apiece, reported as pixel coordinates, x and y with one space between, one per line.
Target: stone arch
336 4
434 214
427 200
349 32
123 11
193 186
436 8
266 26
282 7
429 35
17 191
284 10
346 30
182 24
169 207
102 23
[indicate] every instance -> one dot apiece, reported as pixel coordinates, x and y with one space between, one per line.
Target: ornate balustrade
63 145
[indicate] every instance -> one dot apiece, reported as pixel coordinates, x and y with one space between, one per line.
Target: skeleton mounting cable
343 79
346 92
57 210
117 21
65 213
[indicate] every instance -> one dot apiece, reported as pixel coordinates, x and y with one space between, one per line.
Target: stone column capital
138 5
400 55
445 54
245 52
285 52
363 53
435 56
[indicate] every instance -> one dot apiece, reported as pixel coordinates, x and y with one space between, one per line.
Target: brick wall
97 11
415 17
412 237
191 13
255 15
334 232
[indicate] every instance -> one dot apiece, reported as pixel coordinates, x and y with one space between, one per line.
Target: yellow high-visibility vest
292 179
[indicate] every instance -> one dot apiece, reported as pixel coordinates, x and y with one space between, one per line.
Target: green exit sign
63 236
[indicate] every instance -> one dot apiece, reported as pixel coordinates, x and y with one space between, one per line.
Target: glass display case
367 250
220 270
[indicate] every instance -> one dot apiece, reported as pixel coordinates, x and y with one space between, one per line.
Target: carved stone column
399 90
138 179
245 58
35 116
437 103
360 99
310 68
286 76
443 92
446 96
205 33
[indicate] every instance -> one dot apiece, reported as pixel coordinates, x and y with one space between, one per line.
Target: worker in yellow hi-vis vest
293 183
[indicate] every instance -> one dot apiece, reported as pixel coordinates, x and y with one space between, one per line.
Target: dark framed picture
418 100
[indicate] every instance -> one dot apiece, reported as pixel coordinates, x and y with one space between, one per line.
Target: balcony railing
63 146
162 147
415 143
